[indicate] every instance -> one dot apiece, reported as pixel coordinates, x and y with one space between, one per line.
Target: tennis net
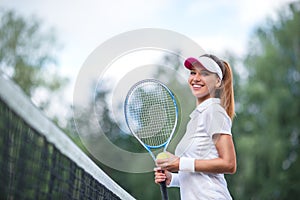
38 161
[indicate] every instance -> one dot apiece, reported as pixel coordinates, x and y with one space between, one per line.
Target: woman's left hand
171 163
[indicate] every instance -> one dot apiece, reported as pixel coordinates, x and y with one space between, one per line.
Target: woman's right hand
161 176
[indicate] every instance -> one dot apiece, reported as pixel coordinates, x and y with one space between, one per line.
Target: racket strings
151 113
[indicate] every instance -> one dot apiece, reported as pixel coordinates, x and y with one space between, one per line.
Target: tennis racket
151 114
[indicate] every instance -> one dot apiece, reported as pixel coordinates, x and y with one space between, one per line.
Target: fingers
159 176
157 169
161 163
171 163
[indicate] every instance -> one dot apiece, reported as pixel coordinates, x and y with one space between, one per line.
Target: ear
218 83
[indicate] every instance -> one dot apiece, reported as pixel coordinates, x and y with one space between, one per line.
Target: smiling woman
206 152
202 84
202 81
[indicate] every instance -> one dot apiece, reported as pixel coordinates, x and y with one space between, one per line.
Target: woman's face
203 83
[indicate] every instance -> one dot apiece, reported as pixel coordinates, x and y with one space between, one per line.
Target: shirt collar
205 104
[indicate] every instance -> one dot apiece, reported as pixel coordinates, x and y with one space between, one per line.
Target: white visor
207 63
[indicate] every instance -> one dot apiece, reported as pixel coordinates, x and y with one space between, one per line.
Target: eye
205 73
192 73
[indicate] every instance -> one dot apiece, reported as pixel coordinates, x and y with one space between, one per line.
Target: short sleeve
218 122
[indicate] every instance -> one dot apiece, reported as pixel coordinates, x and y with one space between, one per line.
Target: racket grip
164 192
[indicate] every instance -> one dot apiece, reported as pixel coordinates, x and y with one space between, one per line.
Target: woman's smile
202 83
197 86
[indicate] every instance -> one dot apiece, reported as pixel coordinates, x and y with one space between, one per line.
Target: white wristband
187 164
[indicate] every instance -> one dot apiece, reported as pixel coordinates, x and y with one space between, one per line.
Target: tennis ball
162 155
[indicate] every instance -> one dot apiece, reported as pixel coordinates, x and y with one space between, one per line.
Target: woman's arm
225 163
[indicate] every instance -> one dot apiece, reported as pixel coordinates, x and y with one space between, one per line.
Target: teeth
197 86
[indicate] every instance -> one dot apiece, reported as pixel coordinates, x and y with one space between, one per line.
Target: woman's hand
161 176
171 163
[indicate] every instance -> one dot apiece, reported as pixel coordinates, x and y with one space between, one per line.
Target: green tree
266 129
27 53
267 124
133 183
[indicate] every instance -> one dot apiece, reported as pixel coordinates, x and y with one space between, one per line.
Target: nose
197 77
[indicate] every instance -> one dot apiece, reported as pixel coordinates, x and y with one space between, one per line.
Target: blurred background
43 45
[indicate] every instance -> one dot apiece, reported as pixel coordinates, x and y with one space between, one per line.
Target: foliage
134 183
27 55
267 124
266 129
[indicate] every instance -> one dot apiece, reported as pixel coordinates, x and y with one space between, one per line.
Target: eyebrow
205 70
201 70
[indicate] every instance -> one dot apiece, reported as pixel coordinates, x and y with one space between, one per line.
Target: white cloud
83 25
227 25
256 11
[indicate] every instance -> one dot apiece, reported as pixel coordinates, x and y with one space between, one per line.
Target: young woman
206 152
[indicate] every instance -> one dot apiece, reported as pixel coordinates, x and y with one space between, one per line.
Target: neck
200 100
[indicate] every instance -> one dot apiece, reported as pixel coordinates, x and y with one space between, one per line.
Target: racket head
151 113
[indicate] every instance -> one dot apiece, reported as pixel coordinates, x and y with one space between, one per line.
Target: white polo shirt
207 119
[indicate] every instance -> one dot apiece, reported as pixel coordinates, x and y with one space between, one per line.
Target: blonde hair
225 92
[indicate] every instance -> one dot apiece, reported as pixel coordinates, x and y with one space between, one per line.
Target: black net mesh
33 168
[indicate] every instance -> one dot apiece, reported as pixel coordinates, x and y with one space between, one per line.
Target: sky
82 25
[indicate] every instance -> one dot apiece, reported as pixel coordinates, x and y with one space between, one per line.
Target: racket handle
164 192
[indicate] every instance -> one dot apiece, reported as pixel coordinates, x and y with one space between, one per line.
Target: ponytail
226 90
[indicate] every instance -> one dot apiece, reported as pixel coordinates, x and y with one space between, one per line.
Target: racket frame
166 143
